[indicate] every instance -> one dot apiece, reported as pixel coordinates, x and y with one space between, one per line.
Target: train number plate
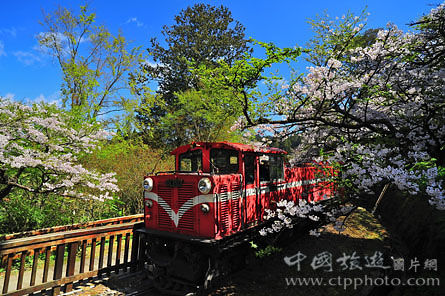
174 182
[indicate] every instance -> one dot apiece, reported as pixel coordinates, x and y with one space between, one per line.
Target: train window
224 161
271 168
191 161
264 168
276 167
249 168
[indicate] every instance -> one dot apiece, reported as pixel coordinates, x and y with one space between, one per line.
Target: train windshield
191 161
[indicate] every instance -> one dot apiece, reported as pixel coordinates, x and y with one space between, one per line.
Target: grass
361 224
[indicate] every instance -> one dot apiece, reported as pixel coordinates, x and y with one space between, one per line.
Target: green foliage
267 251
202 35
243 77
131 160
115 207
94 63
207 114
22 212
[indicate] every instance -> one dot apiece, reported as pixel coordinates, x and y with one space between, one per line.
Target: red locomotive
213 203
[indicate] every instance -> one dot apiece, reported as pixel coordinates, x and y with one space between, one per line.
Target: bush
131 160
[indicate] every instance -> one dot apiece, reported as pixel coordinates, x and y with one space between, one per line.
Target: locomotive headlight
148 203
205 208
204 185
148 184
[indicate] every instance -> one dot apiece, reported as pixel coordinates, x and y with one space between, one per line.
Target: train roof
228 145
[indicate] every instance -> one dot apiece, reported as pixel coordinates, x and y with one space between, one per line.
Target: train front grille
172 198
166 193
185 193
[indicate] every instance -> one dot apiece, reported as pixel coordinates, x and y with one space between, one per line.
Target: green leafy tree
94 63
209 112
242 80
202 35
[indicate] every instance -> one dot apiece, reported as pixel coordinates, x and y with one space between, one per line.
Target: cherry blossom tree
372 101
40 146
377 109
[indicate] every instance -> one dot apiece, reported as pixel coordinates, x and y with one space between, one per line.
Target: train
199 217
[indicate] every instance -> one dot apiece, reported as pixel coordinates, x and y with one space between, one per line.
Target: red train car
215 200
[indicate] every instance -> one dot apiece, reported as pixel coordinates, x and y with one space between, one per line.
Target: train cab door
250 189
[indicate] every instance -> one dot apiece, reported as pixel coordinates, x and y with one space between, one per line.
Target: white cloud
9 31
2 49
52 99
57 36
27 58
135 20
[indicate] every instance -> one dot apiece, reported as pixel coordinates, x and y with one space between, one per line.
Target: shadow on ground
365 246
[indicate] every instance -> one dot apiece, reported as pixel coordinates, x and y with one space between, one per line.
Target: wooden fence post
22 270
7 273
118 253
58 267
92 254
35 262
126 251
71 263
134 251
110 254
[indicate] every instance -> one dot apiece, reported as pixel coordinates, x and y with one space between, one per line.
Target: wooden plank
123 219
101 252
92 254
71 263
58 267
61 237
53 283
83 256
21 270
110 251
63 241
35 262
134 251
118 253
7 273
126 250
46 266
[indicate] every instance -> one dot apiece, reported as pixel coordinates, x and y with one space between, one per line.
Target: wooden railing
92 224
57 260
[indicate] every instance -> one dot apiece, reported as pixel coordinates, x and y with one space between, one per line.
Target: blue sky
27 74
